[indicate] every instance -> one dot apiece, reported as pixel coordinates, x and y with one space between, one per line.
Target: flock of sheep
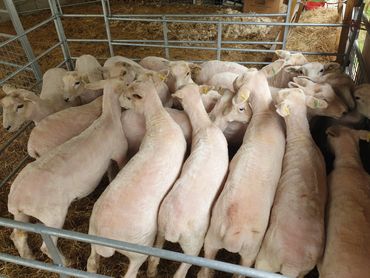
166 154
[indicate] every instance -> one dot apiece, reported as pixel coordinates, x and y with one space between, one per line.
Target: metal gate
19 65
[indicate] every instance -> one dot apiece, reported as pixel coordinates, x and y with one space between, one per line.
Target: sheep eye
77 83
241 109
20 106
188 74
357 98
322 70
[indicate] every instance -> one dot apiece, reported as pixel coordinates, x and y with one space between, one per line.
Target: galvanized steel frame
166 44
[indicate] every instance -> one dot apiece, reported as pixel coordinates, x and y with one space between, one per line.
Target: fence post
219 40
107 28
165 38
354 33
12 11
61 36
53 251
286 27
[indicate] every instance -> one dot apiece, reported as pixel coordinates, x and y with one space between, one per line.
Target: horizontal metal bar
63 6
15 136
292 24
6 35
151 251
82 15
88 40
181 15
14 170
3 11
29 63
48 267
5 63
27 31
174 41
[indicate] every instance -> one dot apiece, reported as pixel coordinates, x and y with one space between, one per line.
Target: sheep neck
348 156
197 114
154 112
40 110
260 101
111 106
297 125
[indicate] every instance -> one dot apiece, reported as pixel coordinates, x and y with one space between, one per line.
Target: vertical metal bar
287 20
219 40
59 6
54 252
107 28
12 11
165 37
61 35
108 6
354 33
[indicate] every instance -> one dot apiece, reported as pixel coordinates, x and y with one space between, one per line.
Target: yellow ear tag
286 110
244 98
162 77
204 89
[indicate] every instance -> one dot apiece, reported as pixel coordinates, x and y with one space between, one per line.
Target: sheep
20 105
362 99
127 210
45 188
297 215
59 127
209 153
241 213
87 70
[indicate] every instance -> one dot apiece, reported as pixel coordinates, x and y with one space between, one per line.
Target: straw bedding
304 39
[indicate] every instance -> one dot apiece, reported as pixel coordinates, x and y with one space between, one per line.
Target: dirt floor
303 39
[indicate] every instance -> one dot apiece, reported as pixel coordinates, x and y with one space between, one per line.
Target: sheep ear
7 88
283 109
28 96
331 66
85 79
292 84
195 68
273 68
333 131
294 69
163 74
283 54
241 97
316 103
204 89
98 85
363 135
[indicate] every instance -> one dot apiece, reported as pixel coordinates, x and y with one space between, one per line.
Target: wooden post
345 30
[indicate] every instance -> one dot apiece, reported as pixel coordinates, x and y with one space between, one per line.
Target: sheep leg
190 246
154 261
58 224
93 261
210 252
19 238
136 260
247 259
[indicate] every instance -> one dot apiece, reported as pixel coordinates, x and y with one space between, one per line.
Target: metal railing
166 43
212 19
